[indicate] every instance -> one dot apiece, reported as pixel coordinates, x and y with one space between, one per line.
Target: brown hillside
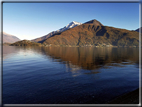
41 39
94 33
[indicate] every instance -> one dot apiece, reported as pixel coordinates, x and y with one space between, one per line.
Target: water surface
68 75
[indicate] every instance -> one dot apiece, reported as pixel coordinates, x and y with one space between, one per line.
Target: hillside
25 43
7 38
70 25
93 33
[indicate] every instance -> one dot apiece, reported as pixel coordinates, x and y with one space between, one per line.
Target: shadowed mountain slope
139 29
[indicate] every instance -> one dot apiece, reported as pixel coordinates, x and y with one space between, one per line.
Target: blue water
68 75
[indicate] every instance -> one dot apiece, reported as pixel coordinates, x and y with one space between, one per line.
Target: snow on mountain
70 25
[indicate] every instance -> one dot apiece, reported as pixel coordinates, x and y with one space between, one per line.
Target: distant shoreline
93 46
9 44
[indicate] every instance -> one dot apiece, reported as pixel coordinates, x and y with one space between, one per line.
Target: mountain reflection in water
88 58
93 58
68 75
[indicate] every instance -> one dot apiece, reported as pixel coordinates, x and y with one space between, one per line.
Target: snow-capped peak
70 25
76 23
73 24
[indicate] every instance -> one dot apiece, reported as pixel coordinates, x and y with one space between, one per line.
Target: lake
68 75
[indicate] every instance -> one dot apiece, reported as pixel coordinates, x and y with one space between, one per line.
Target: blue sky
33 20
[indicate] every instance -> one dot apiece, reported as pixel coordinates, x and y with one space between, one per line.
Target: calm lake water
68 75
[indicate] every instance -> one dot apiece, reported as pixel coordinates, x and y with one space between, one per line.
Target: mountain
70 25
93 33
139 29
7 38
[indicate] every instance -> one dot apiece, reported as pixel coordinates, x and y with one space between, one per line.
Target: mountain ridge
93 33
70 25
95 22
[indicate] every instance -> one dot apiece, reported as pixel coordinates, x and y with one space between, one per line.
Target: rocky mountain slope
70 25
93 33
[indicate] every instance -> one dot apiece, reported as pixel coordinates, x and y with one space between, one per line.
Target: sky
33 20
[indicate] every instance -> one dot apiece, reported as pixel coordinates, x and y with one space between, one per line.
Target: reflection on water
57 74
93 58
76 58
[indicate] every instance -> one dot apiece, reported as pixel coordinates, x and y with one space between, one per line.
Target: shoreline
127 98
76 46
